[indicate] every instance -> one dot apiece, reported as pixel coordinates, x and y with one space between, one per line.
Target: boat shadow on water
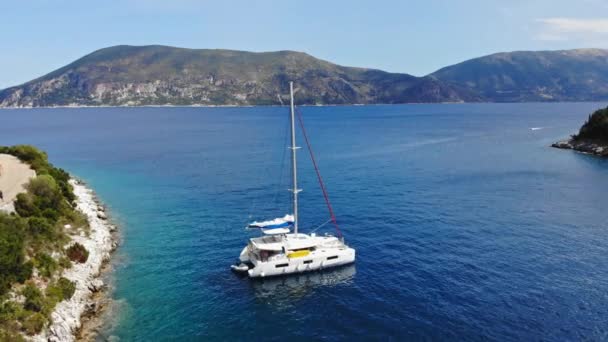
287 288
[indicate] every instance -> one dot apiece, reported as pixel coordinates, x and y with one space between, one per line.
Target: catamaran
279 251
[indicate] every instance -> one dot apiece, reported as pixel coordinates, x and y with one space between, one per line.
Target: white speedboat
280 251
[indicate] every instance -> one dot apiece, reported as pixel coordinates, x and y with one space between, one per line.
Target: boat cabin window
310 249
265 255
307 261
332 257
281 265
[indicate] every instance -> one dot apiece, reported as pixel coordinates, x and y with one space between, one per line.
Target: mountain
569 75
160 75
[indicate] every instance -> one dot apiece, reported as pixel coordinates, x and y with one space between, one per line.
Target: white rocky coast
583 146
66 318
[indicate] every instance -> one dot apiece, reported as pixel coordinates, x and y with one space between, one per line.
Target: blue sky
415 37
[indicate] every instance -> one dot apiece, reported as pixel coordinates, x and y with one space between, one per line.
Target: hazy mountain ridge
566 75
162 75
158 75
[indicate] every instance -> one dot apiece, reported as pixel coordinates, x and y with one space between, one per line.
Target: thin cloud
560 29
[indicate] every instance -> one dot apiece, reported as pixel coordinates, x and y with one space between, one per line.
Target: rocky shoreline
68 316
583 146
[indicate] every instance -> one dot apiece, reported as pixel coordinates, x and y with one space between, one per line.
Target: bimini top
281 222
268 243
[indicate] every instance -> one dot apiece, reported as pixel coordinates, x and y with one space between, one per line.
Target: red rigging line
314 163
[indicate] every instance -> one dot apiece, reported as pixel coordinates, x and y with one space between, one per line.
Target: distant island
54 240
592 138
161 75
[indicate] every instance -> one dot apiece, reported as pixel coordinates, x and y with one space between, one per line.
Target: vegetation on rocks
38 160
77 253
60 290
32 240
596 127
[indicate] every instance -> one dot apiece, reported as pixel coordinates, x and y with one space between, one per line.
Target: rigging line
314 163
326 222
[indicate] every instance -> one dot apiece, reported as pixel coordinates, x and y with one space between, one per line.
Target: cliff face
160 75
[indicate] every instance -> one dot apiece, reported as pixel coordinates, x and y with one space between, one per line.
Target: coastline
67 317
247 105
279 105
583 146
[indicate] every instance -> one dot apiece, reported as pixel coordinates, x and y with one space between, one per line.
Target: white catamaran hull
292 253
316 260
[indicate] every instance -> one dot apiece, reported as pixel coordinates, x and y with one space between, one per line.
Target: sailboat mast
293 162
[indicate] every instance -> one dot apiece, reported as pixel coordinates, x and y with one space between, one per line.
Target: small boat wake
284 292
536 128
398 148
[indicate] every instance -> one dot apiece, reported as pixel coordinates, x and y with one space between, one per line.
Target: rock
96 285
67 226
562 144
101 215
90 308
583 147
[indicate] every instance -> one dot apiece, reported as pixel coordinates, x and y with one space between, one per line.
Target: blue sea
467 225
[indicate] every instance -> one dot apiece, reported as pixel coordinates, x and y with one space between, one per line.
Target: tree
596 127
12 266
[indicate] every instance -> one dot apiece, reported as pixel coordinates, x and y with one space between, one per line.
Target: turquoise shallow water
467 226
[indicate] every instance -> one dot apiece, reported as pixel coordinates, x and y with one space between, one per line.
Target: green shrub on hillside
34 314
25 206
596 127
61 290
77 253
34 323
34 300
62 178
6 335
45 265
40 226
10 314
65 263
43 196
13 267
75 218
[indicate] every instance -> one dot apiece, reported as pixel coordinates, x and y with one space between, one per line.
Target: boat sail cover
281 222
